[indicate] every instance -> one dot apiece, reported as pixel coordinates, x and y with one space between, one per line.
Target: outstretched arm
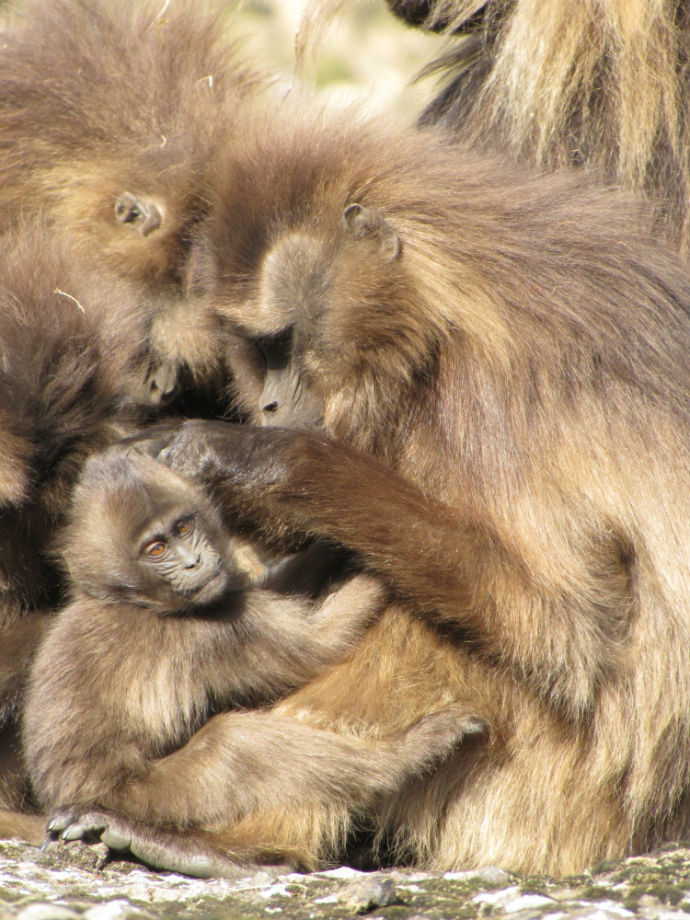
241 761
447 563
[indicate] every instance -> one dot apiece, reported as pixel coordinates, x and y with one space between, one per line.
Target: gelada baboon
502 393
564 83
111 114
361 259
153 567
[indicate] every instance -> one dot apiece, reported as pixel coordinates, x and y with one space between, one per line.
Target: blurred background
365 53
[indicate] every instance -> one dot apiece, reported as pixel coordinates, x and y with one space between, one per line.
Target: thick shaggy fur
71 367
506 410
110 114
99 99
563 83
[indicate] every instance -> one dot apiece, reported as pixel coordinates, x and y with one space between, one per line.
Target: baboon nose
189 560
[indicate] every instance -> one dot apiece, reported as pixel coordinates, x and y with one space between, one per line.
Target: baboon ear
143 214
366 223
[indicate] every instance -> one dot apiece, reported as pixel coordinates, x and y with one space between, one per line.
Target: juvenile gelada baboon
111 114
571 83
153 568
498 364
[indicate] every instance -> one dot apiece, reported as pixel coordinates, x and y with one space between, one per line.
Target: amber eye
156 549
184 527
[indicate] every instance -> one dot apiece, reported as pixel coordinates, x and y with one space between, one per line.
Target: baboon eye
184 527
261 352
156 549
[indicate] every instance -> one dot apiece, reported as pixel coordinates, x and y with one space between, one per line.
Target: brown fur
506 411
103 721
565 83
29 828
72 368
128 99
109 117
100 104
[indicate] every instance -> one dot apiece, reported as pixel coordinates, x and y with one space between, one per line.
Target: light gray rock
526 902
369 893
605 911
110 910
490 875
47 911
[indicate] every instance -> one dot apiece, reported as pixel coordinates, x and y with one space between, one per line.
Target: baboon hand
157 387
70 824
156 848
161 384
151 441
442 732
234 454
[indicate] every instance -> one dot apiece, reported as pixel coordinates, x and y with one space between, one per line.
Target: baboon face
305 333
286 398
177 555
154 539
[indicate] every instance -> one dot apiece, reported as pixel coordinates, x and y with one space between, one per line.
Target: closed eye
275 350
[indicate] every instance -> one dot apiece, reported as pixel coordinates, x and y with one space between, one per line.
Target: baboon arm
449 566
242 761
294 639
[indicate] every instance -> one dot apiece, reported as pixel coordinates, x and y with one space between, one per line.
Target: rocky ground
76 882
